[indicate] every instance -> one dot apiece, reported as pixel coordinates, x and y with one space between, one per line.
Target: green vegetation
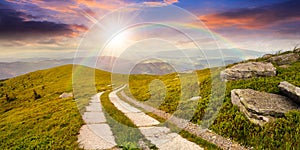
284 133
33 117
126 133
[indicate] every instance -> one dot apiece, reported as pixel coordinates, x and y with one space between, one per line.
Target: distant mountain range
162 62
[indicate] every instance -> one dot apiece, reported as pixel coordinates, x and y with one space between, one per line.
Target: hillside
283 133
33 116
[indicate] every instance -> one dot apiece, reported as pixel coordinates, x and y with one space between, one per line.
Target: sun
119 40
119 43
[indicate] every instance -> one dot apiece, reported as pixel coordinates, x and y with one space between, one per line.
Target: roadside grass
126 133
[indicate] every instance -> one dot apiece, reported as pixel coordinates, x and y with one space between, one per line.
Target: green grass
43 122
33 117
284 133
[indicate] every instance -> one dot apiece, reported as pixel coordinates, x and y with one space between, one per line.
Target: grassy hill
284 133
33 117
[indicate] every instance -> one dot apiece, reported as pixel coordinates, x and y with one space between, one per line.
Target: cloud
254 18
171 1
15 25
159 3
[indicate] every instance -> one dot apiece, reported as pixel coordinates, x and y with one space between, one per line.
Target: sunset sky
54 28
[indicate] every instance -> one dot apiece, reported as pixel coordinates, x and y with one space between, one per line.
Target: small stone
66 95
284 66
195 98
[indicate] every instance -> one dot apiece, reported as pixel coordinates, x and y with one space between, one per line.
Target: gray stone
284 66
141 119
297 50
66 95
166 140
248 70
195 98
94 117
261 107
94 107
103 131
266 56
291 91
285 59
88 139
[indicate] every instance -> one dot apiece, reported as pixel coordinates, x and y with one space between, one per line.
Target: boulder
66 95
248 70
261 107
291 91
297 50
266 56
284 59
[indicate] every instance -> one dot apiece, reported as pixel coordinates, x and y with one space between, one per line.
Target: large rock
266 56
248 70
285 59
290 91
297 50
261 107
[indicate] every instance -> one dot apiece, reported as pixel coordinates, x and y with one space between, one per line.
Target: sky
56 28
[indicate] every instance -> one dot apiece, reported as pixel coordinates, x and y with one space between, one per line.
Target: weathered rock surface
261 107
66 95
285 59
291 91
267 56
248 70
297 50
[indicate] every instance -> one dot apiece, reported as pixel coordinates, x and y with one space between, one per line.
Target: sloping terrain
33 117
283 133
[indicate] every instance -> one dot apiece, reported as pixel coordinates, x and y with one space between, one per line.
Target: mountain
142 63
13 69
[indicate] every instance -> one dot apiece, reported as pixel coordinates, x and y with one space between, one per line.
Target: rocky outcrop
248 70
297 50
284 59
290 91
266 56
261 107
66 95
